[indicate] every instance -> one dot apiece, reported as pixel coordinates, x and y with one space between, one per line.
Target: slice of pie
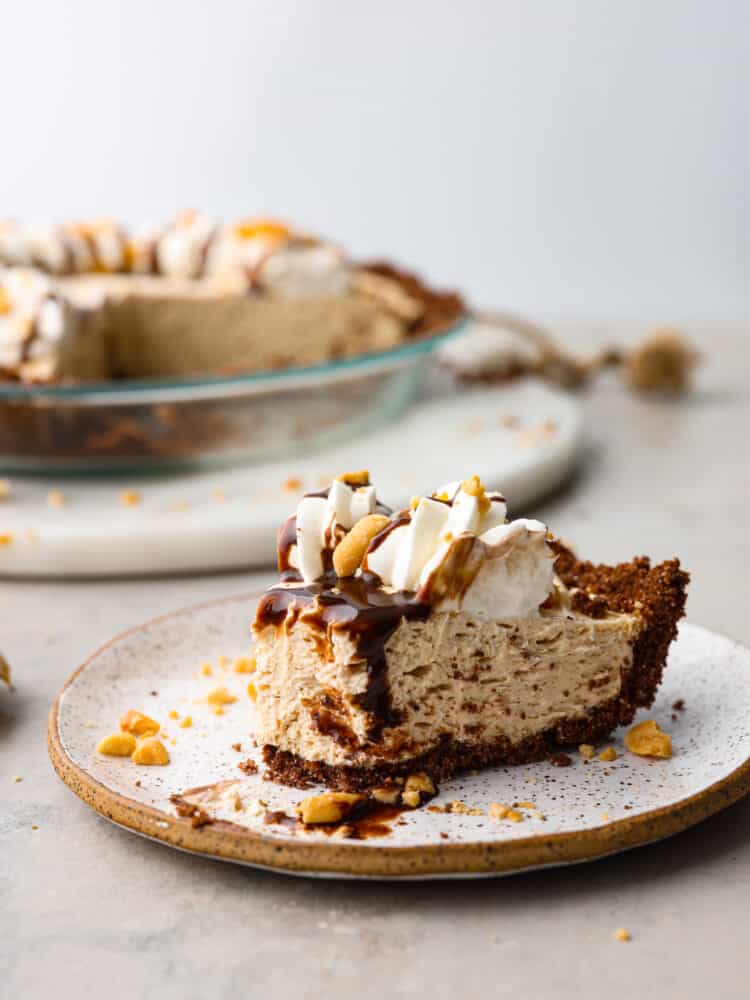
94 302
446 637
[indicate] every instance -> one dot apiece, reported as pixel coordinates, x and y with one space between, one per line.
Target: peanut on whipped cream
455 549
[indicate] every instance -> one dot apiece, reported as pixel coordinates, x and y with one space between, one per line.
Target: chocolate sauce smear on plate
368 819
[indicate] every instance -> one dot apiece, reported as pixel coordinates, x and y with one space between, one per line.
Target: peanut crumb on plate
150 751
206 669
117 745
220 696
138 724
608 754
647 739
252 691
244 665
186 723
173 714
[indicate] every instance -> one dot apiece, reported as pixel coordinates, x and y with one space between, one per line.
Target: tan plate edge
230 843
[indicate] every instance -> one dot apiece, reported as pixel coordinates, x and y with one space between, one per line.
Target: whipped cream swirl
454 550
32 316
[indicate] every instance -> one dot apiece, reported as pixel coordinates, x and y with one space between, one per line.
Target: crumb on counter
292 484
586 750
6 538
17 778
130 498
622 935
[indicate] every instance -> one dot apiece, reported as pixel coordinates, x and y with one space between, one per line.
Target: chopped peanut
330 807
220 696
420 782
173 714
6 538
138 723
261 229
622 935
117 745
359 478
150 751
388 796
586 751
292 484
186 723
252 691
130 498
609 754
349 552
206 669
475 488
245 665
498 810
648 740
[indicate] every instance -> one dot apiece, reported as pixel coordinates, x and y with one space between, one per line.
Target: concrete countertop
87 909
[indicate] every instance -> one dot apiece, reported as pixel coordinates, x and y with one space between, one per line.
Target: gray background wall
567 158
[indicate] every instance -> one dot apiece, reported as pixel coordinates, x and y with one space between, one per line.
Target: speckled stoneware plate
575 813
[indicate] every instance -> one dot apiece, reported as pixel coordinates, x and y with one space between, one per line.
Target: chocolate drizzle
359 606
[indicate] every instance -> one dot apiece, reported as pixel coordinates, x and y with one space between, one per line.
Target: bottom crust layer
450 757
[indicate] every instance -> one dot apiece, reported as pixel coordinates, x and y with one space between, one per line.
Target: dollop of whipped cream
181 251
32 316
454 550
321 521
299 272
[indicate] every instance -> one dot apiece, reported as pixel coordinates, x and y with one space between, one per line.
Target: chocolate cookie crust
657 594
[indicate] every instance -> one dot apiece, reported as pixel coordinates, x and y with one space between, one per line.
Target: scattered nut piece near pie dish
446 637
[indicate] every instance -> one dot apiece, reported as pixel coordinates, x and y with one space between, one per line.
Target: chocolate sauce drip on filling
359 606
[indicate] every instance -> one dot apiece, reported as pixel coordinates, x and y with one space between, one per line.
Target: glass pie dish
142 425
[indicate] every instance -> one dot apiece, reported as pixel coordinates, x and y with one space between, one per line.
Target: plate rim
228 842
